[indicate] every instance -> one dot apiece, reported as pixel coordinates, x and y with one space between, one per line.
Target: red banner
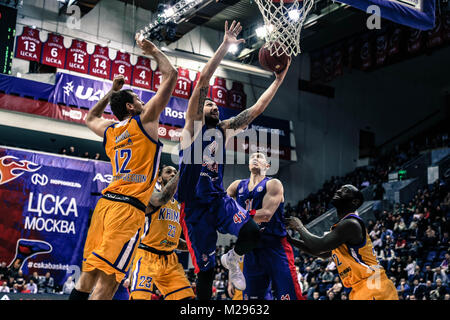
142 73
77 57
184 84
122 65
29 45
54 52
99 62
157 77
219 92
237 99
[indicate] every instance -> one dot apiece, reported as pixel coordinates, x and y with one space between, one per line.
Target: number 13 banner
29 45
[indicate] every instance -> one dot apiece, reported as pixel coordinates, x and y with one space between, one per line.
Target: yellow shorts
162 271
112 238
369 289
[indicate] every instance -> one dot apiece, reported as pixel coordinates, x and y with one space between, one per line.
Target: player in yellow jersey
134 150
349 244
155 262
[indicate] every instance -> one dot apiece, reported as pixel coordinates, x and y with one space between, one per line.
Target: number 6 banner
77 57
121 65
29 45
54 52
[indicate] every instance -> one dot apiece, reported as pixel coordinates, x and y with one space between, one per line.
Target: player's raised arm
94 119
243 119
271 201
158 102
344 232
196 102
232 189
160 198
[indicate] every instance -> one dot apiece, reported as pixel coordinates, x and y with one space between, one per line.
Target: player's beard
211 121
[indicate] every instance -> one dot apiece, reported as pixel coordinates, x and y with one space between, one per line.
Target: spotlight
260 32
294 15
233 49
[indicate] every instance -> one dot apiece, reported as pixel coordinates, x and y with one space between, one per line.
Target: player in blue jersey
206 207
272 261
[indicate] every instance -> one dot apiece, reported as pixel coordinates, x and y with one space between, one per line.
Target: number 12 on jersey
123 154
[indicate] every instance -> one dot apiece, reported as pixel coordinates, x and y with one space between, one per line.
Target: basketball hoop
283 22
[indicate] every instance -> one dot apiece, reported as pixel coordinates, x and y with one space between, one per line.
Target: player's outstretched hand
231 33
118 82
282 74
293 223
148 47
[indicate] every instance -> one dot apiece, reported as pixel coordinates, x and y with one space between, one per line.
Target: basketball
275 63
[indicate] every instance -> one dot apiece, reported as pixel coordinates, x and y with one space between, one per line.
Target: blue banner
47 202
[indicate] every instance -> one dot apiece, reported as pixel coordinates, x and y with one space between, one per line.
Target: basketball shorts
271 266
200 226
164 272
112 238
370 289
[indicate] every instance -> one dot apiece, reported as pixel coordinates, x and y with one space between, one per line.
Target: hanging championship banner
142 73
237 99
157 78
77 57
29 45
54 52
99 62
184 83
121 65
219 92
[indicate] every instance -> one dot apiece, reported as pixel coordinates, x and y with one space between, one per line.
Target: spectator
330 295
97 156
445 262
4 287
72 152
35 277
31 287
344 296
439 274
86 155
410 268
68 286
403 288
316 295
63 151
418 289
20 281
48 283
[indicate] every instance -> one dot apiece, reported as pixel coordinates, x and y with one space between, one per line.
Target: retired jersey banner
29 45
77 57
54 52
99 62
46 204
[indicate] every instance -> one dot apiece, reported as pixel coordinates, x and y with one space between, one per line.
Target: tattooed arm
196 102
242 120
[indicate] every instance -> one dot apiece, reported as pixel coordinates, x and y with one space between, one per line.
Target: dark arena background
366 102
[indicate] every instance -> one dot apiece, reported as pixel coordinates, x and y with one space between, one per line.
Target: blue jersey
201 181
253 200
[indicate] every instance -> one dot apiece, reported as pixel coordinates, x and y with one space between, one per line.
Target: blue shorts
271 266
201 224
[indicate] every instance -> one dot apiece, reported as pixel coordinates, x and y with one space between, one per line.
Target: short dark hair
118 102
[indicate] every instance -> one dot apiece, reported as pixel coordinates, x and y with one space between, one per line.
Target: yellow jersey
356 263
134 158
162 228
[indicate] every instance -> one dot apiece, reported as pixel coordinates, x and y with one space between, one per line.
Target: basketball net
283 22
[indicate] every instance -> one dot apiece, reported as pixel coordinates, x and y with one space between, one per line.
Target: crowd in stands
15 281
72 151
373 175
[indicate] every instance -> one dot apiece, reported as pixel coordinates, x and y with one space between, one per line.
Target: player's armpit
232 188
98 125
